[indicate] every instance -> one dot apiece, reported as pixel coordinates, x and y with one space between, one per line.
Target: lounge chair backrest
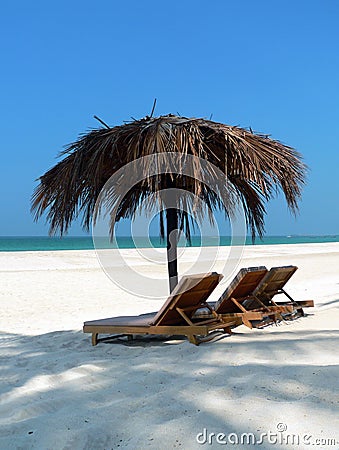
240 287
274 281
191 291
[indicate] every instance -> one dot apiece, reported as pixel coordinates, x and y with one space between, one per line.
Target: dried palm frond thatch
255 167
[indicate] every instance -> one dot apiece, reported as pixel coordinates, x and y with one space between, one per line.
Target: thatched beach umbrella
254 166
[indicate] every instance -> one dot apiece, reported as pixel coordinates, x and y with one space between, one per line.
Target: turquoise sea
17 244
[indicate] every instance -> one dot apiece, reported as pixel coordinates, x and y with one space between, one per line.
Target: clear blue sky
271 65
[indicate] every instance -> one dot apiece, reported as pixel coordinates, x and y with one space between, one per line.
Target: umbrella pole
172 242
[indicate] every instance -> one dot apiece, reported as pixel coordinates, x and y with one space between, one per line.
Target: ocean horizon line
19 236
51 243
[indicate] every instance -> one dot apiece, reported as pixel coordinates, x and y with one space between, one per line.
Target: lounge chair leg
247 322
228 330
94 338
193 339
273 318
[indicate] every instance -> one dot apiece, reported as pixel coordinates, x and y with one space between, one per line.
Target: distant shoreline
43 243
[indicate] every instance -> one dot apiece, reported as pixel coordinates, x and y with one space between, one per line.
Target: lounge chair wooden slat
241 287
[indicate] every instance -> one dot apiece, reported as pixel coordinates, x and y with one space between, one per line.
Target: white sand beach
59 392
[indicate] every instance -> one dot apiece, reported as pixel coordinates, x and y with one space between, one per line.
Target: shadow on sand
60 392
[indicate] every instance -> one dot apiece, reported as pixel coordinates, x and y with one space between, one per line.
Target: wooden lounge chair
174 318
239 302
272 284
